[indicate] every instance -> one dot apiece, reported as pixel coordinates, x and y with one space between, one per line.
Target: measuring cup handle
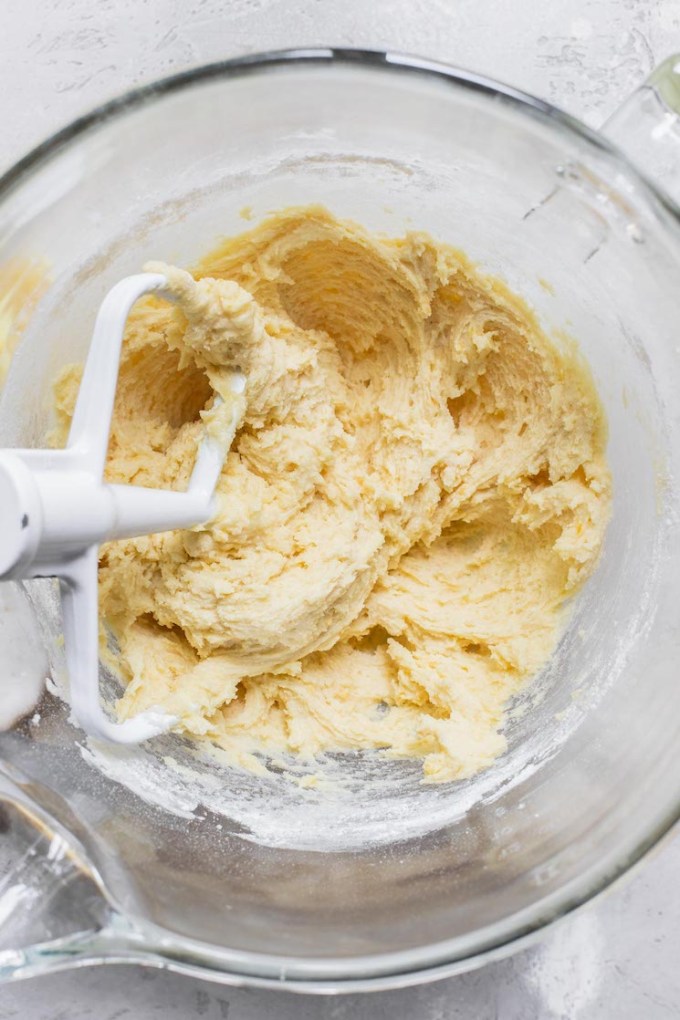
647 127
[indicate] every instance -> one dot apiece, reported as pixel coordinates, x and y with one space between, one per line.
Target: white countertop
617 958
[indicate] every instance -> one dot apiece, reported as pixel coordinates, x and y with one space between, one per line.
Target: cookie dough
417 484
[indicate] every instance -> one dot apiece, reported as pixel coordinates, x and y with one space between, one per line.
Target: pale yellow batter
417 484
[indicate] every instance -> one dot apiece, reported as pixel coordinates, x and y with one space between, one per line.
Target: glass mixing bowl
156 855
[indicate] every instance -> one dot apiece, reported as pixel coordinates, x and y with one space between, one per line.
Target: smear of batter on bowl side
417 484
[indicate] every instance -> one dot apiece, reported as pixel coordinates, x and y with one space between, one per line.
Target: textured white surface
616 958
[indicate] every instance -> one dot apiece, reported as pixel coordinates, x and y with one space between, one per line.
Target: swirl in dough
417 484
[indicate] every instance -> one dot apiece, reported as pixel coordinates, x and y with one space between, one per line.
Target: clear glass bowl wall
589 779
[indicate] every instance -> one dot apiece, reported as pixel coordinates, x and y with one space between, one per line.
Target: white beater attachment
55 510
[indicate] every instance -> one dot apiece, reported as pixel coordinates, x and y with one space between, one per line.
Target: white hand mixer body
55 510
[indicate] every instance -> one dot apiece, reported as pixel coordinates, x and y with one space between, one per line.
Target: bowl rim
271 60
446 957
